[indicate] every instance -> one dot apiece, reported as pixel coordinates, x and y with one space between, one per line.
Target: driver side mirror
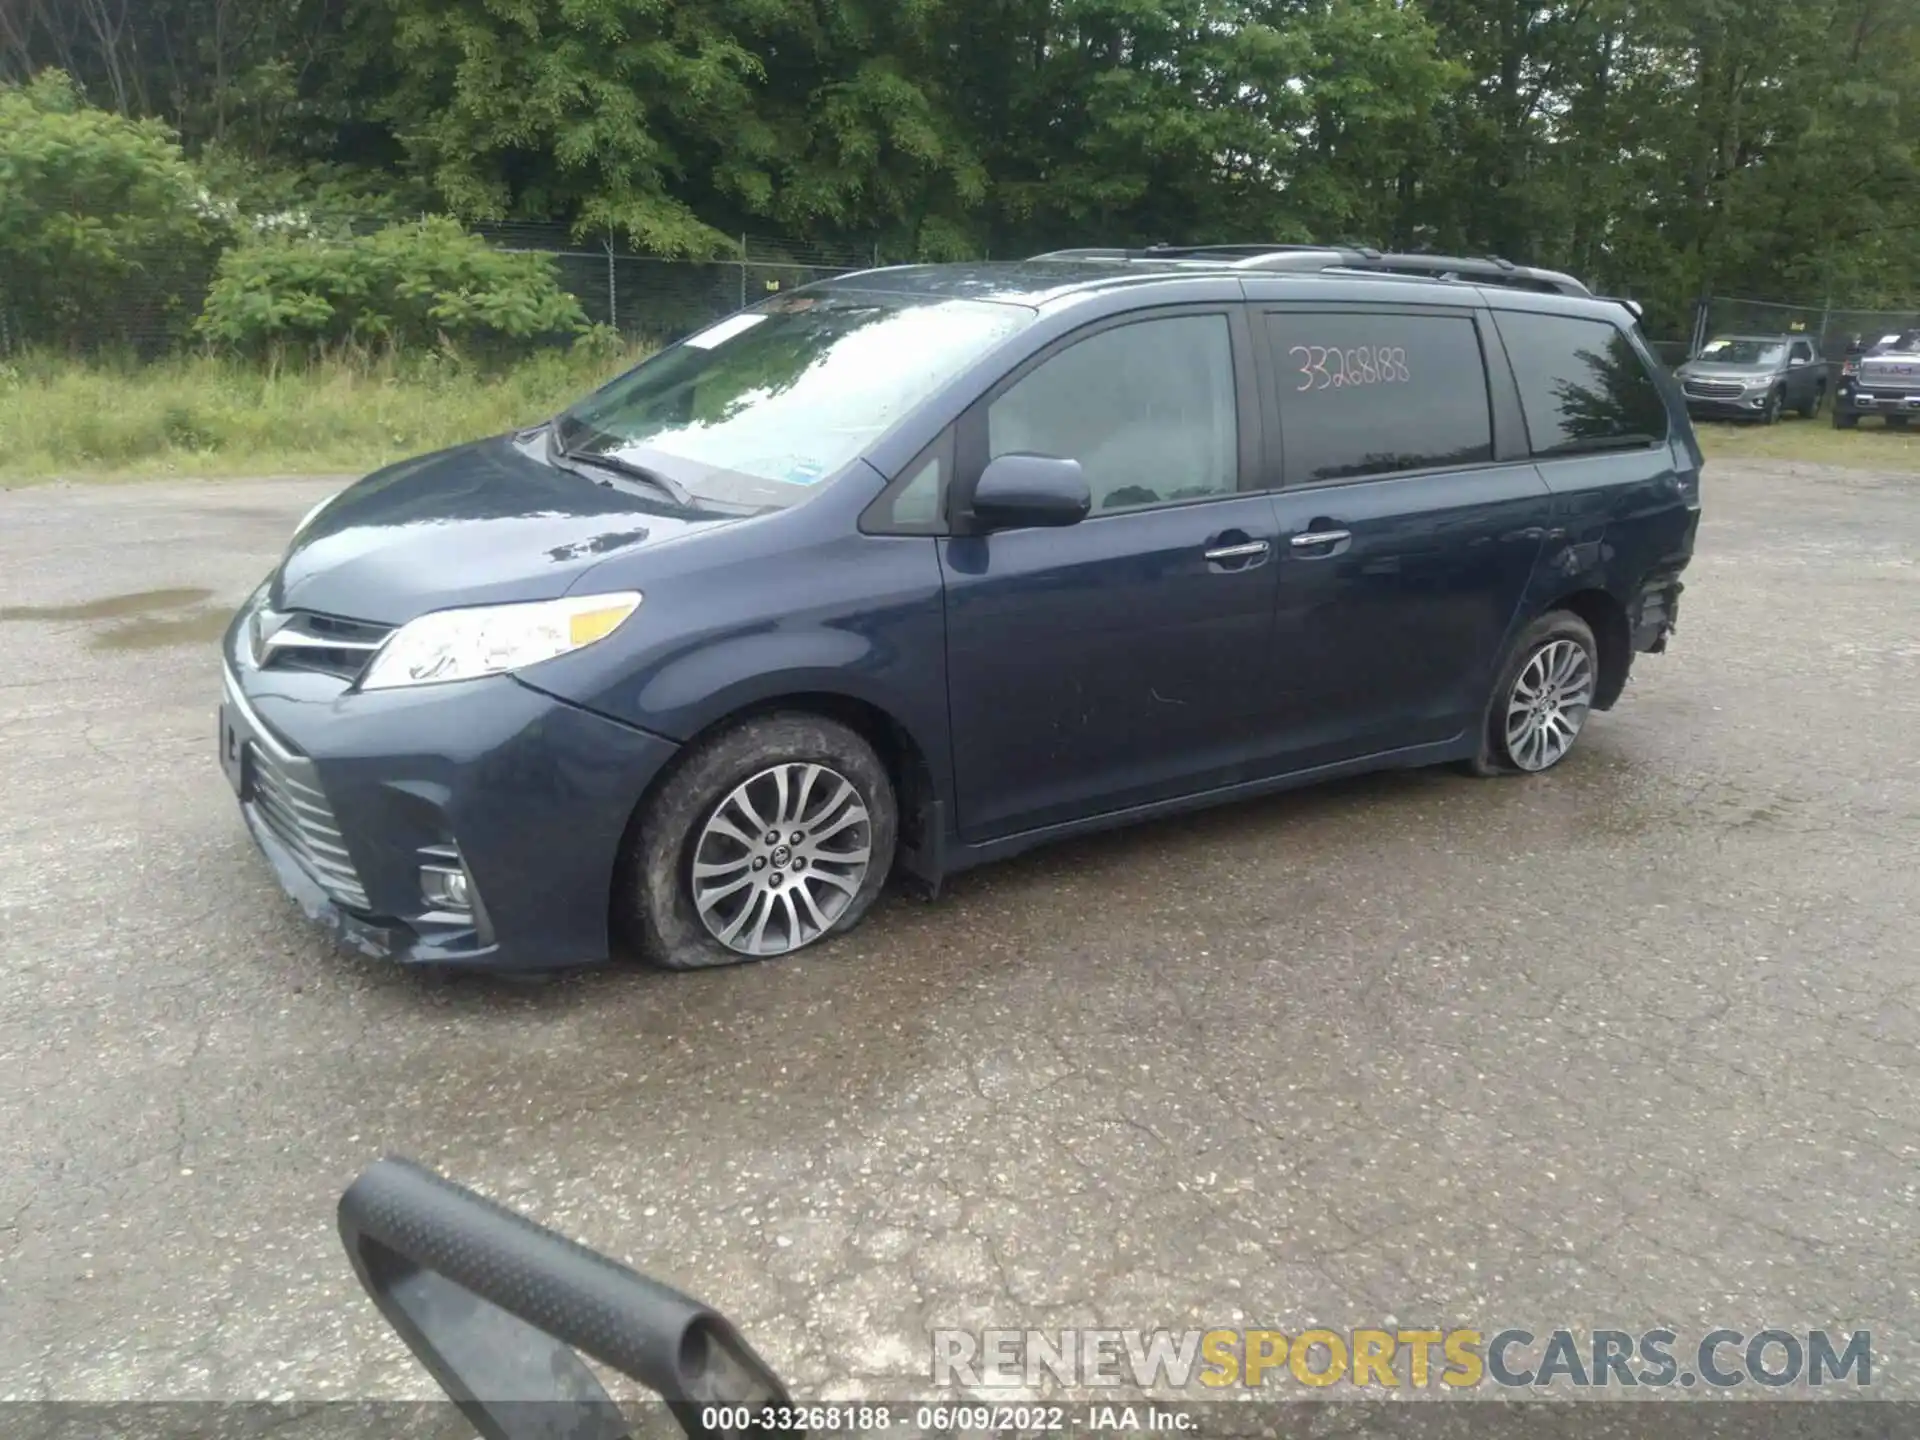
1021 491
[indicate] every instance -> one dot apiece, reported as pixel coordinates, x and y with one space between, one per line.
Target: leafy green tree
1665 148
104 229
595 112
410 286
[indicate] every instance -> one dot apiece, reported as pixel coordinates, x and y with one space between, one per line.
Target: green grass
202 416
1869 446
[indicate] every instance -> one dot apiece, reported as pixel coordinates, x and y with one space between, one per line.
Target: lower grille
287 797
1715 389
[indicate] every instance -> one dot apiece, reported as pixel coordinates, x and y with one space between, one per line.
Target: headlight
493 639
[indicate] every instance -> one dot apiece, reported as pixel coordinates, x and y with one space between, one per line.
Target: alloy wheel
1549 704
781 858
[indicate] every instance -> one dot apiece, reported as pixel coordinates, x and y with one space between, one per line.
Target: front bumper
350 795
1852 400
1738 407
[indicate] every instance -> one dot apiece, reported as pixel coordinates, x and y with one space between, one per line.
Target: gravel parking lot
1633 1044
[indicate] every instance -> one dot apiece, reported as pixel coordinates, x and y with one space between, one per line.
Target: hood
483 524
1711 370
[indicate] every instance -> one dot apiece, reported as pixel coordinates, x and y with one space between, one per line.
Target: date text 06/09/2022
961 1418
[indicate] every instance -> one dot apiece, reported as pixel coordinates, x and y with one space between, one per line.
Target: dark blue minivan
920 567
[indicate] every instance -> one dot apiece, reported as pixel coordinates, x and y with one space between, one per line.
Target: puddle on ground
112 607
155 632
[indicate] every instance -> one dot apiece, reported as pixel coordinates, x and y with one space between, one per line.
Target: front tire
1771 414
767 838
1844 419
1541 698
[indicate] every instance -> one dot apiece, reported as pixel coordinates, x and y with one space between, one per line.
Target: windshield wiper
665 484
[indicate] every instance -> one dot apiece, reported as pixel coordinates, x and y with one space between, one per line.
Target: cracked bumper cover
1656 613
535 793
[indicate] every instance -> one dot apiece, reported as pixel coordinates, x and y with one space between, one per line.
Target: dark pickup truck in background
1883 379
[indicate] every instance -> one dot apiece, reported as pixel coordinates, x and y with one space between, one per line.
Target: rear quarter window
1377 392
1583 387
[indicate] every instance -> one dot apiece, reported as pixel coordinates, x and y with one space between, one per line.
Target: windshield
1744 352
756 408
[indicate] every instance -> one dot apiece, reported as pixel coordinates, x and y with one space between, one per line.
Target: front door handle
1245 551
1319 537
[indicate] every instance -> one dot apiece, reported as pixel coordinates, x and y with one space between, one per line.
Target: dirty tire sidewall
1493 758
654 906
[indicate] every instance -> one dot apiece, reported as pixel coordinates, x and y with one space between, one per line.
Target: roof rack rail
1488 270
1479 270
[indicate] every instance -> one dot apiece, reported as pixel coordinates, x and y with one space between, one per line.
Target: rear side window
1582 385
1372 393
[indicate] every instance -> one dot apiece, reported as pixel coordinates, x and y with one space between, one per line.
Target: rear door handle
1319 537
1246 551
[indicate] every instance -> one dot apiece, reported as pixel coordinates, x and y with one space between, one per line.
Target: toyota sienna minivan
920 567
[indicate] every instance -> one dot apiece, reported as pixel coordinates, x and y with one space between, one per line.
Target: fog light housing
446 887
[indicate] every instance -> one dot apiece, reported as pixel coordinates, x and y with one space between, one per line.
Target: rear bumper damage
1656 613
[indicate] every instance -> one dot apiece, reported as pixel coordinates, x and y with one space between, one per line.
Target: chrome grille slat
308 640
297 813
1714 389
1903 375
313 834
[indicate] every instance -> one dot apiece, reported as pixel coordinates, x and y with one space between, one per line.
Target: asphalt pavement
1631 1044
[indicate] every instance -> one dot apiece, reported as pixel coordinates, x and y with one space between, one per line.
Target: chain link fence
645 297
1835 332
153 307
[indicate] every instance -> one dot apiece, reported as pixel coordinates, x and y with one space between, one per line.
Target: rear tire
830 819
1812 407
1541 699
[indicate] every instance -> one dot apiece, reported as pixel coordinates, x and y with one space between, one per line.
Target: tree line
1661 148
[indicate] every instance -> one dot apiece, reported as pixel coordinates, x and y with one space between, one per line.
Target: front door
1121 660
1405 546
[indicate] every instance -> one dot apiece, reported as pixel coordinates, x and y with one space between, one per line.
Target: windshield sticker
719 334
805 472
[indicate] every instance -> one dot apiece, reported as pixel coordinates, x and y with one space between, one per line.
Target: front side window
1146 408
1802 351
1583 387
1374 393
758 407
